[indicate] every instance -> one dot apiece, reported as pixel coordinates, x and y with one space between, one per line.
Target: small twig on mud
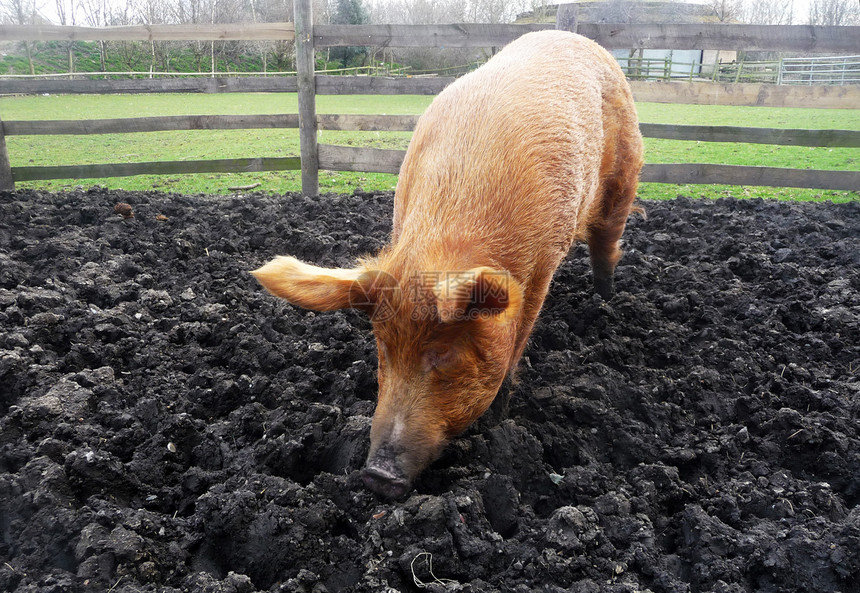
794 434
114 585
12 568
421 584
790 506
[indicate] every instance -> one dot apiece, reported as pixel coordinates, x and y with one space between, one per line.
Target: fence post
307 96
6 181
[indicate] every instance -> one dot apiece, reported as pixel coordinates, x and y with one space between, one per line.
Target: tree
769 12
68 16
349 12
21 12
727 10
834 12
97 14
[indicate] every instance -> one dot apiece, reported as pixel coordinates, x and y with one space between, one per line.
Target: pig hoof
384 483
605 288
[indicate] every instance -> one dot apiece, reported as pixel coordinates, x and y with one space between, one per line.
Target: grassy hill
139 56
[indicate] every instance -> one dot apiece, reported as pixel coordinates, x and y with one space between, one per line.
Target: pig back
510 157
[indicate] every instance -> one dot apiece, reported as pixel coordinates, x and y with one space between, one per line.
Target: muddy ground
168 426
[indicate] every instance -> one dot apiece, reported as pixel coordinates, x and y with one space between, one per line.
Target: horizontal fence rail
349 158
325 85
406 123
218 84
706 173
737 134
696 93
747 94
204 32
374 85
611 36
149 124
249 165
453 35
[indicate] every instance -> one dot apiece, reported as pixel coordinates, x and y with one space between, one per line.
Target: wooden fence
310 37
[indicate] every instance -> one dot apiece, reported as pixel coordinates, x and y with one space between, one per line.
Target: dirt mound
166 425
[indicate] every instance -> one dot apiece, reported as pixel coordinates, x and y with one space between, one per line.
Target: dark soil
167 425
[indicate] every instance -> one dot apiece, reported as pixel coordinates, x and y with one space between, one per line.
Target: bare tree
150 12
67 15
727 10
96 13
130 54
283 52
21 12
769 12
834 12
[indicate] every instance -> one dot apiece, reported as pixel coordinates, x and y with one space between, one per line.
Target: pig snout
400 449
384 476
389 469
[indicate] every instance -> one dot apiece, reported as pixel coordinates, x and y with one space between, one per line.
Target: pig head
445 342
508 167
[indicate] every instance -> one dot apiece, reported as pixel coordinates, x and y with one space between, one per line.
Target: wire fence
827 70
831 70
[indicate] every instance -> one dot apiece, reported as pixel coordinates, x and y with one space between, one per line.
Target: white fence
826 70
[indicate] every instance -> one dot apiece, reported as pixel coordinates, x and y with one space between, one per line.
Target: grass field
154 146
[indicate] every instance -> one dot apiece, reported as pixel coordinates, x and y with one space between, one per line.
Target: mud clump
166 425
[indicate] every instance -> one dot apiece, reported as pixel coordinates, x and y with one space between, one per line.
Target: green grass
60 150
798 157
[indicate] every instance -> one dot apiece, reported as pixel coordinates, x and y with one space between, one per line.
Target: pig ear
479 293
323 289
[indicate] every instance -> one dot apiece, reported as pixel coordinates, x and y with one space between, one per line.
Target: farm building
644 63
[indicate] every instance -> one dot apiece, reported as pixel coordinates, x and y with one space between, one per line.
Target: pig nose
383 478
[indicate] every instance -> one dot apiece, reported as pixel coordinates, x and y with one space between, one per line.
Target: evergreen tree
350 12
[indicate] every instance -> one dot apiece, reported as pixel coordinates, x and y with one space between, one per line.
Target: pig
507 168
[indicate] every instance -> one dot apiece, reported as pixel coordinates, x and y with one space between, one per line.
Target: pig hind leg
606 230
